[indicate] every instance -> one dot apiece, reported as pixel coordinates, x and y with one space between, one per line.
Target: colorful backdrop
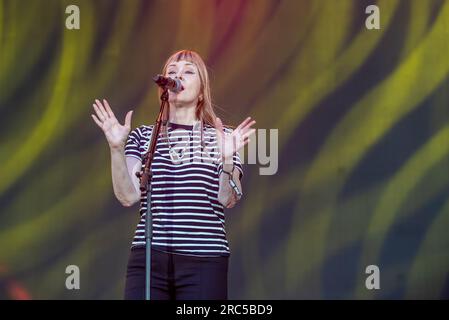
362 117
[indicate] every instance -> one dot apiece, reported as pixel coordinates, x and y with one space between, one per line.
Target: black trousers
177 277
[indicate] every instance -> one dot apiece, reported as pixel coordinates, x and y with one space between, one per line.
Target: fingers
98 122
99 113
108 108
219 126
247 126
128 119
244 127
220 135
218 122
243 124
246 141
248 133
103 115
242 140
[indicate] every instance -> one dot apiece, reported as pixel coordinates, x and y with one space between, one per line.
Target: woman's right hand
116 134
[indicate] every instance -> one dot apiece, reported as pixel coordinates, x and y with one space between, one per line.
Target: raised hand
228 144
116 134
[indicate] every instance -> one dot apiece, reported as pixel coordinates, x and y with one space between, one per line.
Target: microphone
173 85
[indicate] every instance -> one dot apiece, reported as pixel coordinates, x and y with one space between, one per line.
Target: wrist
227 163
227 159
119 148
228 167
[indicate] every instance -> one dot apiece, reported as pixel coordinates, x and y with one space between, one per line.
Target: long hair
204 111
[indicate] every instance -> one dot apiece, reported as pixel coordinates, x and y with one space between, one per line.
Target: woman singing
195 158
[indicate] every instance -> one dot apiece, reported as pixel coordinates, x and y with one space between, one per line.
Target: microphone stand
145 186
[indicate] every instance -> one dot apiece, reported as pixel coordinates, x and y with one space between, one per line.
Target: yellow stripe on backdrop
421 283
84 201
18 157
396 193
365 124
344 64
23 41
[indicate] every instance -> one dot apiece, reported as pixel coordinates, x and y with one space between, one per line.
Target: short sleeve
132 146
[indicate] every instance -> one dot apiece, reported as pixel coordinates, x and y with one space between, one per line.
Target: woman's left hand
228 144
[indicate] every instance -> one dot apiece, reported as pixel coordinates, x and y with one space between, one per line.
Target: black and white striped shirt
187 216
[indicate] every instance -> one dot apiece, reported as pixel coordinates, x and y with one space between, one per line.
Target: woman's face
188 74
